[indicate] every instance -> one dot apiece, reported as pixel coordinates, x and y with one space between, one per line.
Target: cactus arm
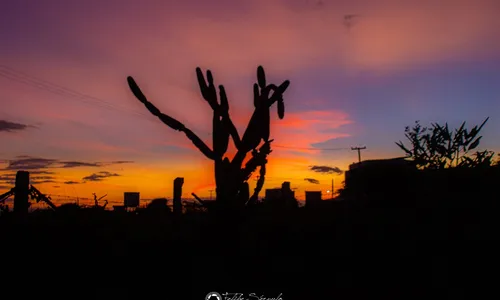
278 92
222 129
136 90
261 77
258 127
265 129
281 108
207 90
226 119
199 144
251 138
169 121
224 103
256 95
232 131
223 126
259 158
220 137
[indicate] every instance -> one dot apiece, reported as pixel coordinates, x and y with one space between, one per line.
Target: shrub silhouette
439 148
231 177
159 205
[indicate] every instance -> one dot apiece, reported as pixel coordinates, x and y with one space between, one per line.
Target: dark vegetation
431 225
439 147
231 177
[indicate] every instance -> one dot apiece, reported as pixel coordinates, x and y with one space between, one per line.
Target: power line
60 90
305 148
36 82
51 87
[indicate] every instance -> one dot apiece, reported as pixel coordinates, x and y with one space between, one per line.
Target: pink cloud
302 129
390 34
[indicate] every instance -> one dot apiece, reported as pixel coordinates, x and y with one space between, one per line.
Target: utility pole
359 151
332 189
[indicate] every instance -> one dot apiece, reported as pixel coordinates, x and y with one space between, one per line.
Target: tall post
332 189
178 182
21 190
359 151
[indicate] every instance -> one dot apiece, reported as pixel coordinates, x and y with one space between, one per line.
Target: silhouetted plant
231 177
159 205
438 147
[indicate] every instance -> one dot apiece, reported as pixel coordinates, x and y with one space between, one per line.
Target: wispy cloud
118 162
326 169
42 181
42 172
312 180
10 178
75 164
99 176
71 182
8 126
30 163
37 163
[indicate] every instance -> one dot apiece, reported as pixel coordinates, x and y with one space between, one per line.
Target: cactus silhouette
231 177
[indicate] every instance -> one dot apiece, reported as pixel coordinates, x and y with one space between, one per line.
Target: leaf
446 133
475 143
484 122
408 152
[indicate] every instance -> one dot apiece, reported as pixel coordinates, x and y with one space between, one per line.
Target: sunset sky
68 115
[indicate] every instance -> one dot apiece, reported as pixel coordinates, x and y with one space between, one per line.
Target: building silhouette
281 198
380 179
313 198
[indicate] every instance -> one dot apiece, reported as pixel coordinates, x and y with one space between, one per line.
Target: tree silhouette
439 147
231 176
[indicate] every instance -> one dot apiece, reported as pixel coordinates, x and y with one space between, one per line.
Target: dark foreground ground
339 252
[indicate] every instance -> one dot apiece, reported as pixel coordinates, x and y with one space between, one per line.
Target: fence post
178 182
21 193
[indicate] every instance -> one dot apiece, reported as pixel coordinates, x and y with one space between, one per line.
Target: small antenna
359 151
